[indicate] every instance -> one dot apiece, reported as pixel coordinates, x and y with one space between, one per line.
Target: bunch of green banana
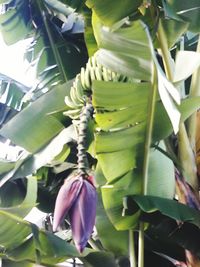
81 89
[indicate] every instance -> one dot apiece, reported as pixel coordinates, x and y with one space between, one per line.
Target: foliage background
142 141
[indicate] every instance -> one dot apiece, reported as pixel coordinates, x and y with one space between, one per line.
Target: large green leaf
136 60
121 116
160 183
124 161
120 101
119 145
112 11
117 95
168 207
33 127
125 50
119 140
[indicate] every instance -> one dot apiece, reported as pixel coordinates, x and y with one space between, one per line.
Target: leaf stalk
141 246
194 91
184 145
52 43
148 140
132 256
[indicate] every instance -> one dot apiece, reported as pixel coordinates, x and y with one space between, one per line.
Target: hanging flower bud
77 198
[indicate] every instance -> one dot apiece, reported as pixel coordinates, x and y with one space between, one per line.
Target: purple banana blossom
77 198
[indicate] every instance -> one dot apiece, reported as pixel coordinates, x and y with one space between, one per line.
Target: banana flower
77 198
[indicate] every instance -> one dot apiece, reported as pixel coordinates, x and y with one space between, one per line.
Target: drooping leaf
56 57
4 177
14 21
189 106
12 92
169 95
16 236
39 54
16 191
31 163
188 58
22 247
168 207
29 201
47 154
23 233
33 127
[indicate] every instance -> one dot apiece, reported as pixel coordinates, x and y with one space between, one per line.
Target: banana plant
130 119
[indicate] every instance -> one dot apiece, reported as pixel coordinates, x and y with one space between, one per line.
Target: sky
12 63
